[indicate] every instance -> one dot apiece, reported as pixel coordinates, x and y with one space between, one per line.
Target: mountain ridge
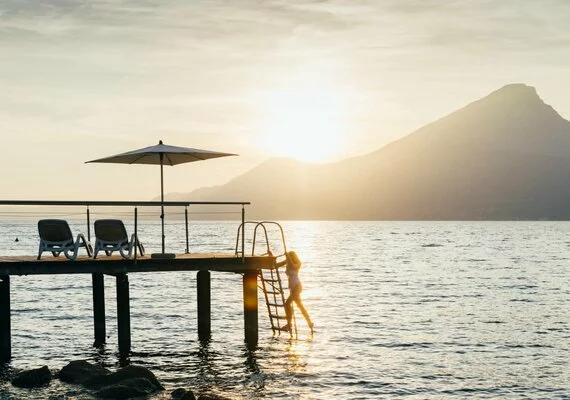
498 157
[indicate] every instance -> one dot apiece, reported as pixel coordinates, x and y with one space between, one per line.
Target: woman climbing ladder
293 265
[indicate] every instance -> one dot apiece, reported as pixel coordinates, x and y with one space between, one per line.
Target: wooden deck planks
49 265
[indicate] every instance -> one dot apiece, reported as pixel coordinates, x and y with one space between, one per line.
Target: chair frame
124 246
68 246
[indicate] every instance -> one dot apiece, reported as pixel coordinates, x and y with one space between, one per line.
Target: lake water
415 310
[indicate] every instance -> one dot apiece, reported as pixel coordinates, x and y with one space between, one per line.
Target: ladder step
276 304
283 317
271 286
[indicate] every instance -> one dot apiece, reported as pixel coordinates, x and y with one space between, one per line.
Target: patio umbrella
162 154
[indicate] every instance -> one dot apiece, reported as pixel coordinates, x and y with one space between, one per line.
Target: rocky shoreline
125 383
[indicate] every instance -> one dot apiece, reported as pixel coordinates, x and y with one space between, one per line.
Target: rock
209 396
127 388
177 393
33 378
183 394
189 395
128 372
81 371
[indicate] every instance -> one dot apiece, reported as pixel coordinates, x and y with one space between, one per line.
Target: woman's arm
291 262
281 263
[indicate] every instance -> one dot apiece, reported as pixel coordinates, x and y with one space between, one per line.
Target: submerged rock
33 378
189 395
81 371
128 372
210 396
127 388
183 394
177 393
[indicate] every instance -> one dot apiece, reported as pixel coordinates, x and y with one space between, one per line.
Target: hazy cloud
132 70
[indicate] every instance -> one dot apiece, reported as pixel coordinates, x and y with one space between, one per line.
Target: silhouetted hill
505 156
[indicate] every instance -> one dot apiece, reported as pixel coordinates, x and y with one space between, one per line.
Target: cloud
132 70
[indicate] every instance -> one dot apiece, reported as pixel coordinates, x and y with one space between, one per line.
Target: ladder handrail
274 282
239 230
257 225
262 223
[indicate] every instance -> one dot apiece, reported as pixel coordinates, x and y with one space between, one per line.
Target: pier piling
5 334
250 309
123 314
204 305
99 309
201 263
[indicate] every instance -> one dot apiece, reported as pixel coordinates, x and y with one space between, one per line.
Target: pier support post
250 309
123 314
99 308
5 334
204 305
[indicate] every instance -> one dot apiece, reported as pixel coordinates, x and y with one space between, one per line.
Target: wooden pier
120 269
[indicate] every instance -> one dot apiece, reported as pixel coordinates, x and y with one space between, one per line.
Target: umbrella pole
162 198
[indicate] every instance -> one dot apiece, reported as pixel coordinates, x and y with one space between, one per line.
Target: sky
319 81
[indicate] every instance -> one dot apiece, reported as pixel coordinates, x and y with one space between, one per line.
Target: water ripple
403 310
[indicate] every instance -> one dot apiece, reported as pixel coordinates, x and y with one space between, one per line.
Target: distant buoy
17 240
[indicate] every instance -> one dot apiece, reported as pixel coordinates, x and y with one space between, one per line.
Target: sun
305 122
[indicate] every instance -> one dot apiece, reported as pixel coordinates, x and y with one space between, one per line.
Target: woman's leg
297 299
293 295
304 311
289 309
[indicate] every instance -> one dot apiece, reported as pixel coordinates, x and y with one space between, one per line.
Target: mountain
505 156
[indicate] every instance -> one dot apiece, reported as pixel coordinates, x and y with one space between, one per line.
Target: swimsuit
293 277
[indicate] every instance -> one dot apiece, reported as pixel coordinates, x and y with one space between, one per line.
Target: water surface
418 310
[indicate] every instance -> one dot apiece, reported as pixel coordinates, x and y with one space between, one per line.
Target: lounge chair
111 236
56 236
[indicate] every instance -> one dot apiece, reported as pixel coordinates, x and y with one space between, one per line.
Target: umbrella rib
167 157
138 158
198 157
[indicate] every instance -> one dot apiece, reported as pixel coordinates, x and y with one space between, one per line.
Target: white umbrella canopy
162 154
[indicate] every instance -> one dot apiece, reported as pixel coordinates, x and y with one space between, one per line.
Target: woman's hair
293 257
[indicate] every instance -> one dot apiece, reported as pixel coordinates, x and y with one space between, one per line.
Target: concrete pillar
250 309
123 314
99 309
5 327
204 305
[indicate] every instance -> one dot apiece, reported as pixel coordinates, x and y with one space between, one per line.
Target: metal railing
136 205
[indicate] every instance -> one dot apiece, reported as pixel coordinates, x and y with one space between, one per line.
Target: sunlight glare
304 121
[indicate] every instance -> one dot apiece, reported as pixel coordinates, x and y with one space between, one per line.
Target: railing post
242 233
88 225
136 233
186 219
